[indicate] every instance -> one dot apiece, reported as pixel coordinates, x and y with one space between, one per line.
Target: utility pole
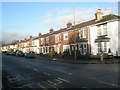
74 29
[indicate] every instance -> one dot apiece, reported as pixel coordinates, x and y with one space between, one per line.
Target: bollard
101 57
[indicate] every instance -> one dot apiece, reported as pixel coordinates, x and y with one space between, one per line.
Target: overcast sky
21 19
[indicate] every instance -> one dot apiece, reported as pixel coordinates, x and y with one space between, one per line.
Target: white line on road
41 85
29 85
28 66
58 70
51 84
107 83
46 73
63 79
35 69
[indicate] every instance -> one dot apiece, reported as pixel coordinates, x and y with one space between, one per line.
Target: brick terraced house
91 37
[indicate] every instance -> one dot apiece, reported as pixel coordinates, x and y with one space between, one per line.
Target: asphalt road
38 73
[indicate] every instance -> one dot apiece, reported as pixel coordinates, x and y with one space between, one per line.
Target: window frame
65 36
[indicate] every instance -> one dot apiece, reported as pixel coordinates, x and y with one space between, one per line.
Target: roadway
39 73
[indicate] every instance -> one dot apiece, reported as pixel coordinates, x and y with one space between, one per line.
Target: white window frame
65 36
84 48
57 38
105 47
99 45
47 39
81 33
66 47
99 33
105 29
60 37
42 40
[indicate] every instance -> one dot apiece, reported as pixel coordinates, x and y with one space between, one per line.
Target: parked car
19 53
7 53
30 54
13 53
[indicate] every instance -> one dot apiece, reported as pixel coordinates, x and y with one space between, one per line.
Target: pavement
83 61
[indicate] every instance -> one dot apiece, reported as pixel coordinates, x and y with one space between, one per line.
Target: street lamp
74 29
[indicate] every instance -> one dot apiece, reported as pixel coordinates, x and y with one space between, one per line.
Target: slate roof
108 17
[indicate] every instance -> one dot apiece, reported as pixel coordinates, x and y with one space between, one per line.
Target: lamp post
74 29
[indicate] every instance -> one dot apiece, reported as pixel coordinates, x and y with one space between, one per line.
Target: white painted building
105 35
35 46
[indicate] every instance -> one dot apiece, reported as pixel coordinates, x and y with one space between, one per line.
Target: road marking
70 73
28 66
41 85
29 85
35 69
58 70
63 79
46 73
59 81
111 84
52 84
107 83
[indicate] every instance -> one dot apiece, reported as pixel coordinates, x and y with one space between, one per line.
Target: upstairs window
56 38
47 39
60 37
81 33
99 30
99 47
42 40
105 29
65 36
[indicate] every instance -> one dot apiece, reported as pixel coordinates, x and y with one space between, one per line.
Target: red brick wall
52 40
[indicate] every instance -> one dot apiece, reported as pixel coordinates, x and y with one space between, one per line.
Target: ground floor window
99 47
72 48
83 48
102 47
66 48
105 47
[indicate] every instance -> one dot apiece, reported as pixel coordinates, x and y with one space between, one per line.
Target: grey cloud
11 36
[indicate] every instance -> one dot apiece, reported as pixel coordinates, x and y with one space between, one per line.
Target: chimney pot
30 37
39 34
69 24
98 14
51 30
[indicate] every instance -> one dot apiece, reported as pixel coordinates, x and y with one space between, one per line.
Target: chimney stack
51 30
30 37
98 14
69 24
39 34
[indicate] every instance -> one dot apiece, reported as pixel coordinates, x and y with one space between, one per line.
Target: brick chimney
51 30
30 37
98 14
69 24
39 34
